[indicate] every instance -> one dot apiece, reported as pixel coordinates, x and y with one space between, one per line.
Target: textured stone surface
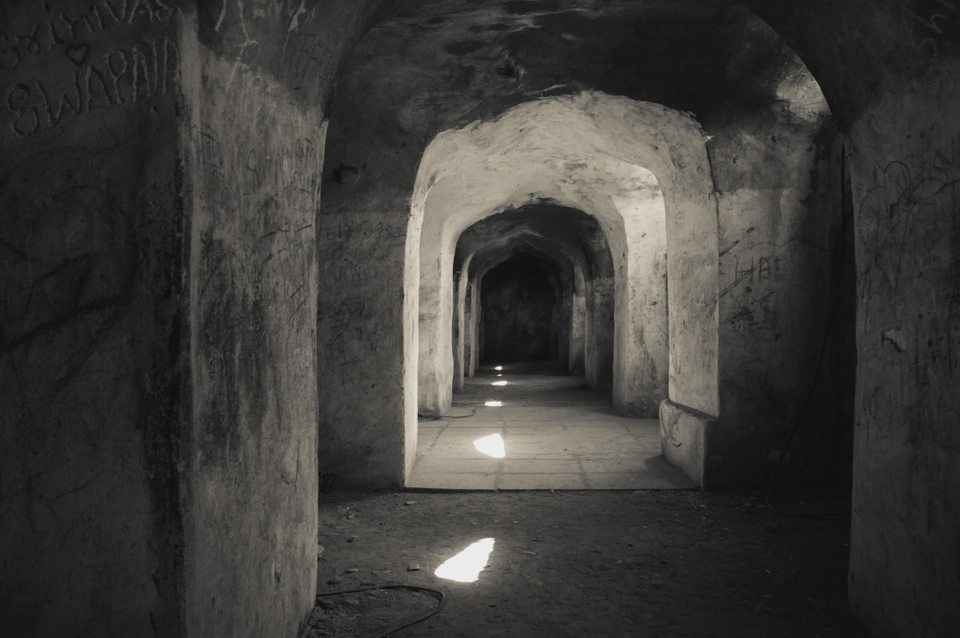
683 439
780 221
156 391
91 308
256 82
251 473
907 438
902 125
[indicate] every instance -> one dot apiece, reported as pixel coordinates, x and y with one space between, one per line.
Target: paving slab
556 435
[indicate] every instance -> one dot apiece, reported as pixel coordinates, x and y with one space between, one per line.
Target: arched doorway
569 150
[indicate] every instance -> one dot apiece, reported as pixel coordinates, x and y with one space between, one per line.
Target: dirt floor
643 564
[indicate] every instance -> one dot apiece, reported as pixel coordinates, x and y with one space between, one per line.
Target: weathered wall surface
91 309
578 314
643 347
683 438
904 549
367 363
435 314
362 254
780 209
471 320
894 82
461 279
96 316
256 79
599 367
565 310
251 473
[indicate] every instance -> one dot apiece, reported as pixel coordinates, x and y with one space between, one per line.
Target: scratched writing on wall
87 75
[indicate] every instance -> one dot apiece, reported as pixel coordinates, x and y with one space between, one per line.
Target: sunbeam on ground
466 566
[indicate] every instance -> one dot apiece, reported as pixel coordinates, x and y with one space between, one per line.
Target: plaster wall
435 371
590 339
565 320
600 354
459 328
903 579
780 226
893 83
91 309
367 341
577 333
683 438
473 319
368 385
641 353
257 77
254 162
163 372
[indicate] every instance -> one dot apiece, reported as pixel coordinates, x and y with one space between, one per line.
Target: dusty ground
644 564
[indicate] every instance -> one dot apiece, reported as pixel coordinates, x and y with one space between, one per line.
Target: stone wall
159 288
894 83
780 222
250 481
92 311
907 438
256 84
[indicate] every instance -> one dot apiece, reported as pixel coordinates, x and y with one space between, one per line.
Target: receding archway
567 233
553 427
471 173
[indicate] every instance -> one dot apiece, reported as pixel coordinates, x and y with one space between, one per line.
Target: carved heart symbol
78 53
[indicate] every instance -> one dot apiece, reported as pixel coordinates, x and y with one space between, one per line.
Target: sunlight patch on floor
466 566
491 446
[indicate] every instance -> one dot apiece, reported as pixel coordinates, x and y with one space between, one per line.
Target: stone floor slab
565 481
557 435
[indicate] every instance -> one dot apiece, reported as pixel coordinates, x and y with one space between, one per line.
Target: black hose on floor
439 595
421 417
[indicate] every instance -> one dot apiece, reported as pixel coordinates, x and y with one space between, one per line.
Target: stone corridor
543 430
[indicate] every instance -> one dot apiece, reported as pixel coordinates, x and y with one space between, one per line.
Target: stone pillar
470 331
459 326
603 333
577 332
565 307
436 316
